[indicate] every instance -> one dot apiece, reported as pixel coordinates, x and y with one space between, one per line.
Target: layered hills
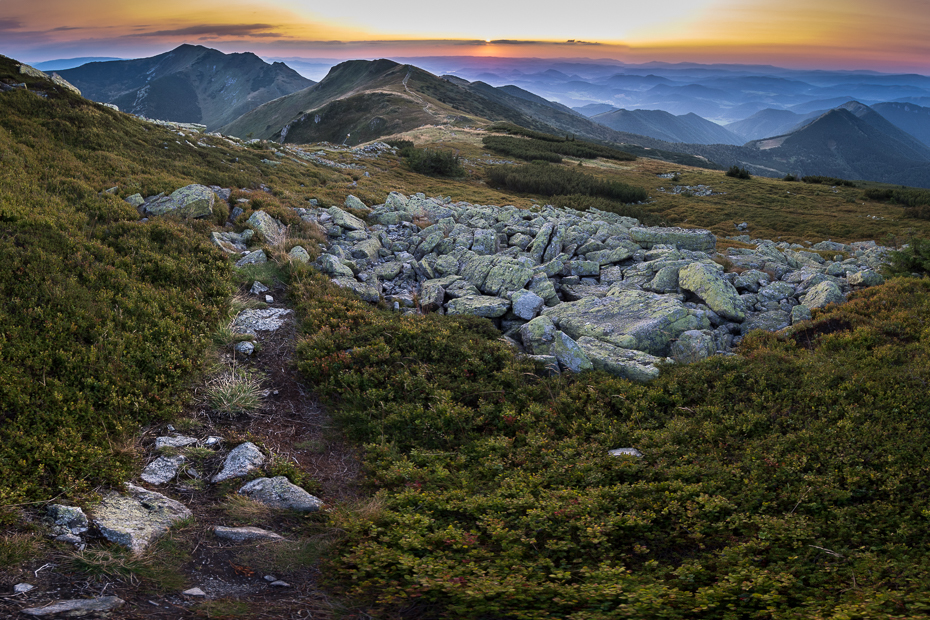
663 125
191 84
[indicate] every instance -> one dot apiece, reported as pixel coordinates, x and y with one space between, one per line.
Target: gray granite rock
241 460
244 534
138 518
280 493
163 469
75 607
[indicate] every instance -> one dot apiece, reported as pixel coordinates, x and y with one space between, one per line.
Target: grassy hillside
789 481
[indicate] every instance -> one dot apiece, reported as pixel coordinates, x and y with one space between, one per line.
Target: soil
297 433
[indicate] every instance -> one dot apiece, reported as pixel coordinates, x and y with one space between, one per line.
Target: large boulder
345 220
192 201
710 285
137 519
230 242
693 346
823 294
569 354
629 319
240 461
269 228
538 335
479 305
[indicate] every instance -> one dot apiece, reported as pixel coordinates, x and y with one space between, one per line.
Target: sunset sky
891 35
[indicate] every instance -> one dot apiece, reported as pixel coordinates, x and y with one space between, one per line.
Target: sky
891 35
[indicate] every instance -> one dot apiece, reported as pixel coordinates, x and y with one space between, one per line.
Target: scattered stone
681 238
270 578
269 228
693 346
479 305
354 203
823 294
865 278
76 607
280 584
280 493
232 243
626 452
258 257
710 285
70 517
299 254
137 519
244 534
269 299
212 441
194 592
163 469
245 348
252 321
258 288
22 588
527 304
569 354
241 460
179 441
625 363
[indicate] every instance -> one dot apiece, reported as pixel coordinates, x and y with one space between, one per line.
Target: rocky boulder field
582 290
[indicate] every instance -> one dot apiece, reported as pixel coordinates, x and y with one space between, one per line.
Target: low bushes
768 480
549 180
821 180
550 149
915 201
738 173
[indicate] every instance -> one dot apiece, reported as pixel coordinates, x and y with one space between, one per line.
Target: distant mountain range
804 123
665 126
191 84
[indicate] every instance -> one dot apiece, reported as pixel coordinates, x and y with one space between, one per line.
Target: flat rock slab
682 238
179 441
479 305
137 519
244 534
628 319
280 493
76 607
626 363
267 320
240 461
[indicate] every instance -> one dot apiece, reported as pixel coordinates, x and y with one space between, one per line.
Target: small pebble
269 299
270 578
22 588
194 592
280 584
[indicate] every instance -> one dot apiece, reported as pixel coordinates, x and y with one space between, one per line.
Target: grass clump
236 390
18 547
159 567
433 162
822 180
551 180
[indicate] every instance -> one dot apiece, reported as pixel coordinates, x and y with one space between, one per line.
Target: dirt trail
293 429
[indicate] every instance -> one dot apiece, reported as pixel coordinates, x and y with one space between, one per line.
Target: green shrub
915 258
550 180
581 202
821 180
551 150
434 162
790 177
738 173
915 201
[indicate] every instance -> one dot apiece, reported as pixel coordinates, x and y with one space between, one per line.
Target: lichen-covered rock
269 228
485 242
800 313
366 249
367 291
299 254
866 277
70 517
682 238
823 294
625 363
192 201
771 321
432 295
629 319
479 305
258 257
332 265
163 469
230 242
569 354
178 441
506 276
708 284
254 320
538 335
526 304
352 202
137 519
693 346
280 493
345 220
240 461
